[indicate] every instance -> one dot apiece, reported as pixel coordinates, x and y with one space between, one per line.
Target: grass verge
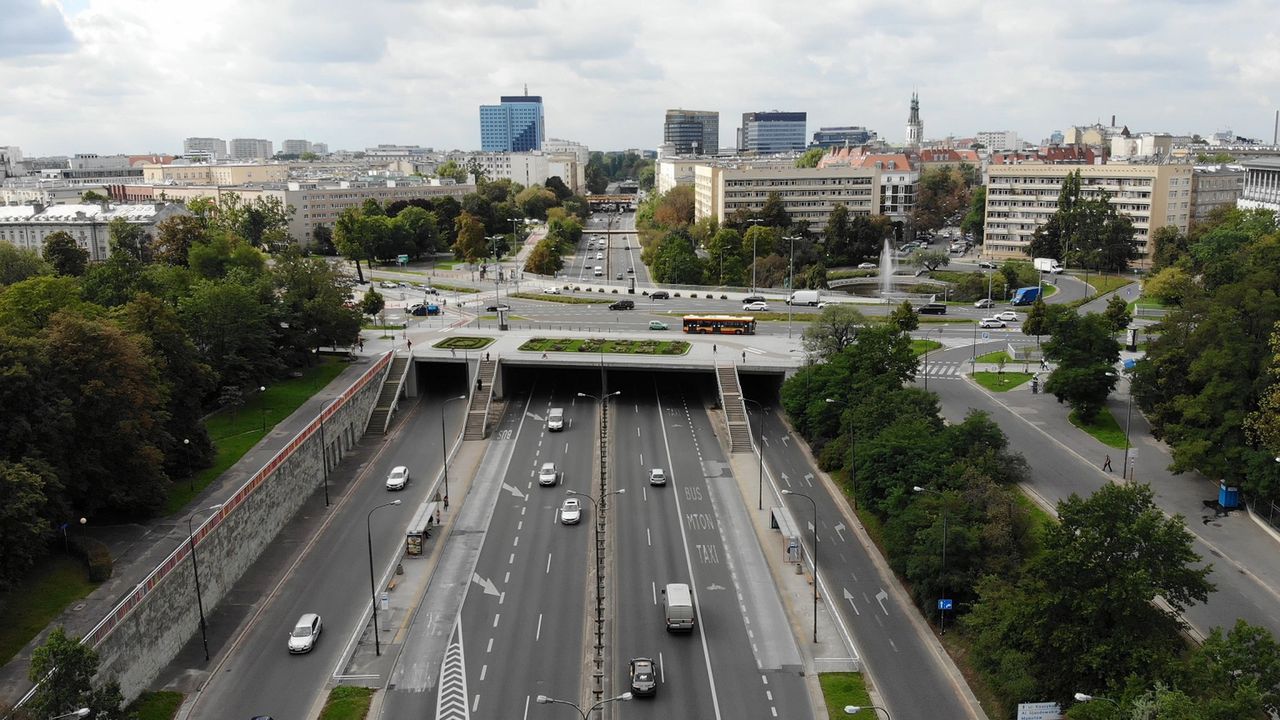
920 347
1000 382
464 342
347 702
843 688
234 431
453 288
995 357
1104 428
1103 284
596 345
158 705
31 604
567 299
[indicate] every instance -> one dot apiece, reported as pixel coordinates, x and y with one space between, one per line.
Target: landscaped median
601 345
567 299
347 702
463 342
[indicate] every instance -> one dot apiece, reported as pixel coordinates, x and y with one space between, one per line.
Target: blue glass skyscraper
513 126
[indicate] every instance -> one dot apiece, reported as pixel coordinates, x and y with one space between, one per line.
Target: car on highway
599 256
570 511
991 323
658 325
1008 316
660 295
496 308
631 271
644 677
618 277
548 474
598 271
622 305
399 478
985 303
756 306
388 285
553 290
866 266
305 633
657 476
989 264
752 298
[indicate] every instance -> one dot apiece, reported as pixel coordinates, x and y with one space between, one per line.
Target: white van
555 419
677 606
599 271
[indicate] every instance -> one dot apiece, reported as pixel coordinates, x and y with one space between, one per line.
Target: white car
657 476
398 478
984 303
388 284
866 266
990 323
548 475
305 633
570 511
756 306
553 290
1008 316
599 256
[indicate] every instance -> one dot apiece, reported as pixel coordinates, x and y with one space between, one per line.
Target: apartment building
219 174
898 177
205 147
295 147
999 140
251 149
1021 198
1261 189
807 193
1214 186
27 226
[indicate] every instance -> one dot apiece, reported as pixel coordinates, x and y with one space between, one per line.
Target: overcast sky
138 76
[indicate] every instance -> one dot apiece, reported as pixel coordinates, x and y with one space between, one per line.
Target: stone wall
148 628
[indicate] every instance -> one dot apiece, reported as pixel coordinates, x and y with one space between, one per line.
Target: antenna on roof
526 89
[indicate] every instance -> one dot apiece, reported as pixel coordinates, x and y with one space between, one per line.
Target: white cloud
139 75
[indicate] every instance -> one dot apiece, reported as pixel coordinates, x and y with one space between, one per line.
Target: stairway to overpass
481 400
735 410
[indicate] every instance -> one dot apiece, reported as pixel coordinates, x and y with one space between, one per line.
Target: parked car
985 303
991 323
644 677
660 295
759 306
657 476
866 266
989 264
548 474
1008 316
305 633
399 478
553 290
570 511
658 325
622 305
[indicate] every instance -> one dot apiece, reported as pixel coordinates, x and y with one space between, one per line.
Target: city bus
720 324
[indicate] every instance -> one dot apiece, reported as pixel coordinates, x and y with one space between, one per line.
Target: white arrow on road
489 587
849 597
514 491
880 598
714 586
840 528
786 439
786 479
808 477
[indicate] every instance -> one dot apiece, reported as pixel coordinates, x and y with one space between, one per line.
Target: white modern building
251 149
1261 185
999 140
205 147
27 226
295 147
808 194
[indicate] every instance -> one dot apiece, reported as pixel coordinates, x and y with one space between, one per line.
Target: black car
496 308
932 309
752 299
622 305
660 295
644 677
989 264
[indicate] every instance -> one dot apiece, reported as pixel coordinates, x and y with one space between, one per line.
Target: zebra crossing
945 370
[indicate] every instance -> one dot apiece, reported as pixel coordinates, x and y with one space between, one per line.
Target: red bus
720 324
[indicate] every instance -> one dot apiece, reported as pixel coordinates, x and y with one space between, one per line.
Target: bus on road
720 324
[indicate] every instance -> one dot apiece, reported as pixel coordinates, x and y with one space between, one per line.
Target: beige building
1261 189
27 226
1021 198
808 194
1213 187
220 174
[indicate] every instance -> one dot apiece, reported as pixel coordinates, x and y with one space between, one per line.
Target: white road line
538 635
548 563
484 670
526 707
648 537
489 649
506 578
475 702
496 618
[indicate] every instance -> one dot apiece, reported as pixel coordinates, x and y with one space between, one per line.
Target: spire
914 117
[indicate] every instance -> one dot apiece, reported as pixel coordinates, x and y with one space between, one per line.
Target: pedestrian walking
446 502
1106 464
1044 364
361 344
744 357
453 352
409 343
479 385
713 349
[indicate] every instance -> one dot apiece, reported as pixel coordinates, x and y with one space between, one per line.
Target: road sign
986 335
944 604
1039 711
402 259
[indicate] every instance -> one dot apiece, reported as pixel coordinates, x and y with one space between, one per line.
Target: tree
1086 350
18 264
904 317
64 668
544 258
975 221
1085 232
128 239
221 254
175 237
810 158
835 328
1037 320
229 326
941 193
674 261
65 254
349 239
24 525
773 213
311 306
1171 286
92 196
322 241
597 181
929 259
1117 313
470 244
675 208
420 230
557 186
725 264
534 201
815 276
372 303
1168 244
450 170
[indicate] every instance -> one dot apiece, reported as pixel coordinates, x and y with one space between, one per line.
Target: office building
915 126
216 174
514 125
1021 198
692 132
251 149
295 147
27 226
320 149
205 147
768 133
808 194
1261 185
851 135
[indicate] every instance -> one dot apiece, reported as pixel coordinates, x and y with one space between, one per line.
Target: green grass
1103 284
845 688
995 357
235 431
157 705
1041 520
567 299
595 345
374 326
998 382
920 347
463 342
29 606
1104 428
347 702
445 287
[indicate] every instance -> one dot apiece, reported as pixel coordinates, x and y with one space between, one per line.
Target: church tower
915 128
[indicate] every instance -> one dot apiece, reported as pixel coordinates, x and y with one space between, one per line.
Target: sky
138 76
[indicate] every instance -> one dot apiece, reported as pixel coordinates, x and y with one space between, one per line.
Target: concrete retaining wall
148 628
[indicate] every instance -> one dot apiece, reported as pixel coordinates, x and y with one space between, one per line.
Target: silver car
305 633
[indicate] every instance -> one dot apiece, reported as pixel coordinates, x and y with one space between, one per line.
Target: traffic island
601 345
464 342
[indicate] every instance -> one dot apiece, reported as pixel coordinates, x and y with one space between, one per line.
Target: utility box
1228 495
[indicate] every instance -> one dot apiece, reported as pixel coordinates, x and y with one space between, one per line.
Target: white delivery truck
1049 265
805 297
677 605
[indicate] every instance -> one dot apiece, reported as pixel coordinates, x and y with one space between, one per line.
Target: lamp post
263 389
373 591
324 454
1128 423
791 277
444 451
497 265
855 709
544 700
195 570
191 476
815 557
82 712
1082 697
853 456
760 453
942 576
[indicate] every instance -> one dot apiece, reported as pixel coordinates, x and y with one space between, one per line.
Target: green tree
349 239
228 324
322 241
544 258
1168 244
810 158
175 236
223 253
18 264
904 317
837 236
372 303
725 264
645 176
450 170
29 306
24 524
535 200
1085 232
1037 320
675 262
92 196
773 214
470 244
975 221
420 230
65 254
1171 286
941 194
597 180
64 668
1086 351
1117 313
311 306
557 186
929 259
836 328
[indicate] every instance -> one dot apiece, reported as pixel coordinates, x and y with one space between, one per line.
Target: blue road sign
944 604
1128 364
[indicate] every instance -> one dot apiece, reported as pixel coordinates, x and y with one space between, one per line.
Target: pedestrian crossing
945 370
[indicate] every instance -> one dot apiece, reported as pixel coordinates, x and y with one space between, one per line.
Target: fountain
881 287
887 263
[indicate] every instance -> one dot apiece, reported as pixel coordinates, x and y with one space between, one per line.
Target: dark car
987 264
752 299
932 309
496 308
660 295
622 305
427 309
644 677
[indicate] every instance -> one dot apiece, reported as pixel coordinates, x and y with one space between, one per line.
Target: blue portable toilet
1228 495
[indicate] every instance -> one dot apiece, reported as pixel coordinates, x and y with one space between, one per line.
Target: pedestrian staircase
481 402
389 398
735 410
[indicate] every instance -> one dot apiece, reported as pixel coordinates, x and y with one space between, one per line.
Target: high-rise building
999 140
251 149
514 125
915 126
205 147
852 135
692 132
320 148
10 159
772 132
295 147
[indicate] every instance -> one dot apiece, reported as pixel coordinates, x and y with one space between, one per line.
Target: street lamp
760 453
855 709
942 576
373 591
195 569
263 389
1128 422
853 457
497 266
191 476
791 277
815 557
544 700
444 451
1082 697
82 712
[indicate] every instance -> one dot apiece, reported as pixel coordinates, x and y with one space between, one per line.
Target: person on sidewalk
1106 464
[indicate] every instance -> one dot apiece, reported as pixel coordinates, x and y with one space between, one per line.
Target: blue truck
1026 295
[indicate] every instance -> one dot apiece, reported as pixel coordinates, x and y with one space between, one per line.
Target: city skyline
138 76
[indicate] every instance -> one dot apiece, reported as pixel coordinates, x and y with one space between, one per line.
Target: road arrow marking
840 528
489 587
714 586
808 478
514 491
880 598
786 479
849 597
786 439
